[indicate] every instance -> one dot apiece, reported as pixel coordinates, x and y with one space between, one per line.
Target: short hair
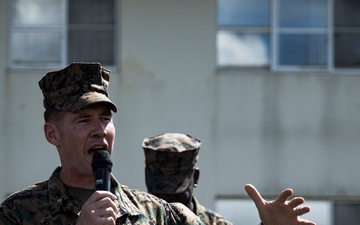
52 114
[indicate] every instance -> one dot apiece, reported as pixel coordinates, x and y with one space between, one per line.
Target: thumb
254 195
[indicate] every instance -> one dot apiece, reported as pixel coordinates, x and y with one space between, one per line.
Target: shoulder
35 191
209 216
185 214
136 196
24 202
212 217
142 199
157 209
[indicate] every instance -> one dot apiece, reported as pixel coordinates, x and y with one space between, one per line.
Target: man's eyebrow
85 114
106 112
81 115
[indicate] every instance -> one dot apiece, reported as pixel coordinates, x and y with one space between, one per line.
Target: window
55 33
289 34
243 38
347 34
346 212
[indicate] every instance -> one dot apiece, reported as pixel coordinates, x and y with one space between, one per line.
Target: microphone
101 166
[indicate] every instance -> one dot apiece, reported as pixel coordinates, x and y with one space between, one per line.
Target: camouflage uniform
49 202
208 216
170 161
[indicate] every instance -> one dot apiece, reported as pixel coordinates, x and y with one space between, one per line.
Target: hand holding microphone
100 207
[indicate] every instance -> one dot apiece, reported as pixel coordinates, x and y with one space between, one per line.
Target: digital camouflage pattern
49 202
170 160
76 87
208 216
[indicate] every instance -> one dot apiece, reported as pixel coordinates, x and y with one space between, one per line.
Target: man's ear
51 133
196 176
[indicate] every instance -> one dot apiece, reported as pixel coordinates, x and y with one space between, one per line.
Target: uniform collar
59 197
62 201
198 209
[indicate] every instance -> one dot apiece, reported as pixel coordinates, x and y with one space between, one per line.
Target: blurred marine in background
171 172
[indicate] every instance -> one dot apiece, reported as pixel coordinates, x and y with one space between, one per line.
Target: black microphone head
101 159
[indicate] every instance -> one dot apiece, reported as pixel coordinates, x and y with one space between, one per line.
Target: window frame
63 28
274 31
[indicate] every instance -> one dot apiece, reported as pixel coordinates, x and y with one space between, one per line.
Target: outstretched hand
280 211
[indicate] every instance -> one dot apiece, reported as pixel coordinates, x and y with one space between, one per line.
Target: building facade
273 94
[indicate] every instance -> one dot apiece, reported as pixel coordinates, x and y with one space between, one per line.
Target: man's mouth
95 149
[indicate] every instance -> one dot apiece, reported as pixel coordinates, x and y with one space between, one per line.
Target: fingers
282 198
105 208
293 203
100 208
101 195
306 222
281 210
254 195
104 202
284 195
302 210
296 202
103 220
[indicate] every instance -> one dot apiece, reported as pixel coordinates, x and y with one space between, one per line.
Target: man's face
184 197
80 134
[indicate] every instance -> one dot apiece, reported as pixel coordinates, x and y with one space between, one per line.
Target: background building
271 87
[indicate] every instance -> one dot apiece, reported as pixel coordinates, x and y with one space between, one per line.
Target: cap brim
77 103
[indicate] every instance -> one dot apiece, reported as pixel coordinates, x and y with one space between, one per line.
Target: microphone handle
102 179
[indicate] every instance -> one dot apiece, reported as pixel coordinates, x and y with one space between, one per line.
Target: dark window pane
347 13
244 12
91 11
347 50
91 31
297 49
302 13
91 46
347 213
236 49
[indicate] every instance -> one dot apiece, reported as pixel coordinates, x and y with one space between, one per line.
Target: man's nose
99 128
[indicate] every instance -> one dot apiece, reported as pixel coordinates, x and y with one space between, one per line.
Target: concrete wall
3 45
297 130
272 130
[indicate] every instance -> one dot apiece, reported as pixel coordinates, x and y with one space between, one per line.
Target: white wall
298 130
166 81
293 130
3 143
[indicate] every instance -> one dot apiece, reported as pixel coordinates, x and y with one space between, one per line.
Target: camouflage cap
170 160
76 87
